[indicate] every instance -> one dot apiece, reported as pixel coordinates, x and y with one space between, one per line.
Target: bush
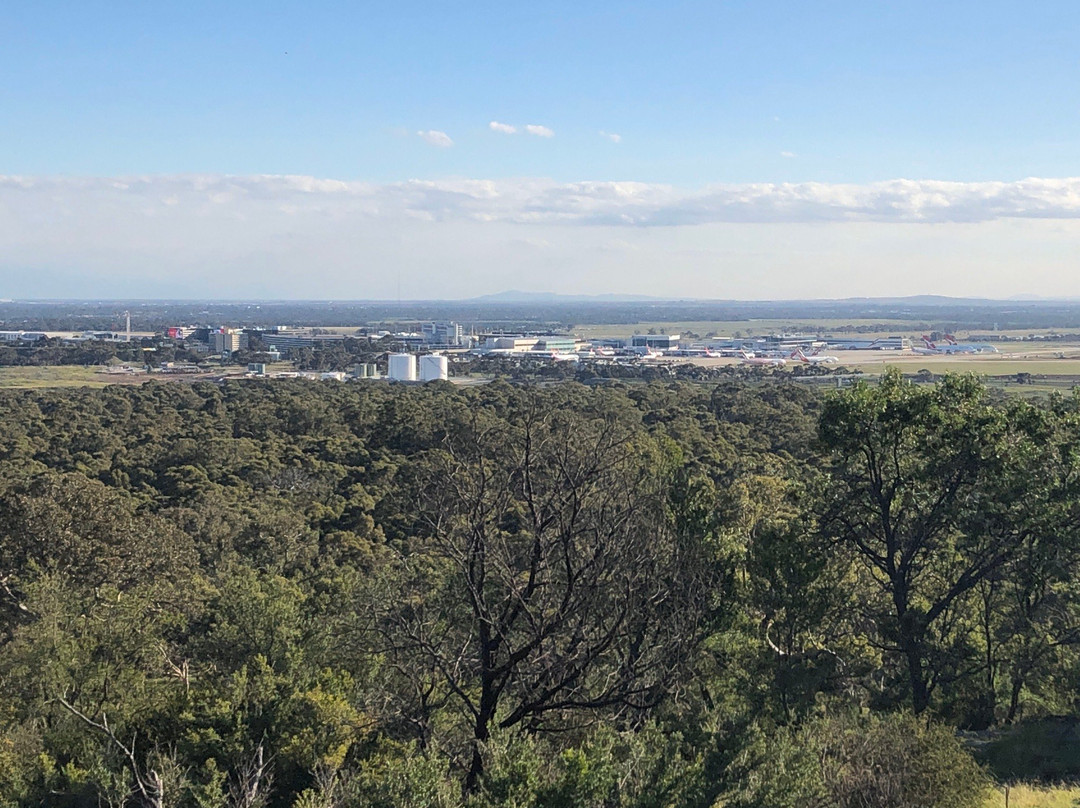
1046 751
894 761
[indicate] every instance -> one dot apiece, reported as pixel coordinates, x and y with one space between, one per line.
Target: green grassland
1027 796
761 327
53 376
727 328
986 367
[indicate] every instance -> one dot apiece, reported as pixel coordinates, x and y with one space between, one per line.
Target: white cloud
436 138
299 236
614 138
505 128
788 154
538 130
533 201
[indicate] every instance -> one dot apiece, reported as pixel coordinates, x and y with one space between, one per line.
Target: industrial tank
402 367
434 368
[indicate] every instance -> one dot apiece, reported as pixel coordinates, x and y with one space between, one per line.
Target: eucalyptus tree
548 575
934 490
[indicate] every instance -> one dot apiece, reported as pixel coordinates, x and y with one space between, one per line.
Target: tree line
275 593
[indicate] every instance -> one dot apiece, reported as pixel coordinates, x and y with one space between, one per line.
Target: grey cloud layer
540 201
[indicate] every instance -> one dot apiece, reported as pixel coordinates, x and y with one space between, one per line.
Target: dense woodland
264 594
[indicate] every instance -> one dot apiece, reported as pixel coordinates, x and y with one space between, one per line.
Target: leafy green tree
932 490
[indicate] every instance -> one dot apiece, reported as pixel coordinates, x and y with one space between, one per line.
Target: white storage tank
402 367
434 368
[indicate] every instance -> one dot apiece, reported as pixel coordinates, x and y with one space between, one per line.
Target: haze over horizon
718 151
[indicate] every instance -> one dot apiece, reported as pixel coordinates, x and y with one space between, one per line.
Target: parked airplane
813 359
933 349
693 350
930 348
560 356
766 361
968 348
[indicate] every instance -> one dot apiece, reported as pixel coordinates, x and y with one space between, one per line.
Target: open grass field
54 376
760 327
1025 796
998 366
875 362
727 328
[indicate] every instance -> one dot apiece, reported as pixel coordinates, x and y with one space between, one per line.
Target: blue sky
698 91
697 94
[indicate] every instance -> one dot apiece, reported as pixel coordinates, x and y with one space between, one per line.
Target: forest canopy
275 593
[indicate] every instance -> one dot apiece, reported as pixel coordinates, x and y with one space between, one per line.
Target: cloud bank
535 201
504 128
298 236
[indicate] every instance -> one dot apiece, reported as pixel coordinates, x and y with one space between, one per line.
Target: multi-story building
227 340
661 342
443 334
555 343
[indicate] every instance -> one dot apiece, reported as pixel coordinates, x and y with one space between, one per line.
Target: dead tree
250 787
546 579
149 787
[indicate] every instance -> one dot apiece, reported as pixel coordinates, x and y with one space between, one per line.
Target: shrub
1046 751
895 761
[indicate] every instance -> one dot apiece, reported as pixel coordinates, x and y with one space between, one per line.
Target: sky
754 149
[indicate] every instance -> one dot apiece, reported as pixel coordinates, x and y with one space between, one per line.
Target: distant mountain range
518 296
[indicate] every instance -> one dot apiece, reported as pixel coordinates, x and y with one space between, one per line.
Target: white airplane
933 349
762 361
699 351
554 356
955 346
930 348
813 359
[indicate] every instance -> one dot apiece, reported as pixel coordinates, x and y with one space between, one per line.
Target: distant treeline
336 355
263 594
91 352
943 314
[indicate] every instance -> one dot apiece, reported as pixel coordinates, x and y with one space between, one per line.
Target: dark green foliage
263 594
1047 749
893 761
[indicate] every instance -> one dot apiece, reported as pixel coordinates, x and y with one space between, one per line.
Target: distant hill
517 296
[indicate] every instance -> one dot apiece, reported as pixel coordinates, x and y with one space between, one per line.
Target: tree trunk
481 735
920 693
1014 698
